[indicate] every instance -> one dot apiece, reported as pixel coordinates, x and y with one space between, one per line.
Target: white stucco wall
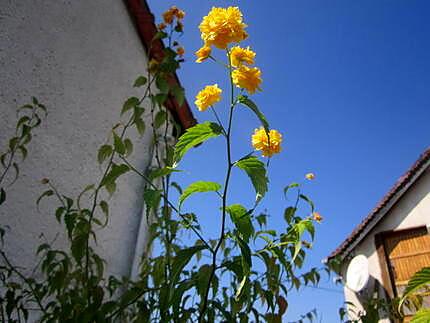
411 210
80 59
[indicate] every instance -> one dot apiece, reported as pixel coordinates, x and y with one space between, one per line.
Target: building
80 59
394 238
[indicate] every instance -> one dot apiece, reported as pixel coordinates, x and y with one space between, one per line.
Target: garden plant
246 274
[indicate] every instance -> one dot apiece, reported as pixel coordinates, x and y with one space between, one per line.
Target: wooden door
407 251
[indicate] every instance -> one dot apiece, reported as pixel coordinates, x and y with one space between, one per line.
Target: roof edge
384 205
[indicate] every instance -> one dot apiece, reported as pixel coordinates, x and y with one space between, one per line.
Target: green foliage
256 171
244 273
198 187
194 136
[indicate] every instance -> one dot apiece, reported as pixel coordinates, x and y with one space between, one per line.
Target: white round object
357 274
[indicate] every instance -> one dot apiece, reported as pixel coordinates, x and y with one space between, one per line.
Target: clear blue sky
348 85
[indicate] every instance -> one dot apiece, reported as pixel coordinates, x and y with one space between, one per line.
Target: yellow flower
310 176
180 14
162 26
203 53
317 217
210 95
248 78
223 26
239 55
168 16
261 142
180 51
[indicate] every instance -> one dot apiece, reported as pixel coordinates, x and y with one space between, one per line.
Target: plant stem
224 195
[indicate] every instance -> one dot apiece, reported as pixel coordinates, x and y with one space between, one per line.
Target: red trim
145 25
398 186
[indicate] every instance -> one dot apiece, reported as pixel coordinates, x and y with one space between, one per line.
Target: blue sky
348 85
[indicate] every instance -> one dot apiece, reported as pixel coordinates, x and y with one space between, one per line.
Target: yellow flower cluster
203 53
269 145
220 28
239 55
317 217
223 26
248 78
207 97
170 15
310 176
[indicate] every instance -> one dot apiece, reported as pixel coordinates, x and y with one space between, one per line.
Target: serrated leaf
198 187
256 171
115 172
194 136
104 152
118 144
129 104
162 172
160 118
241 219
140 81
250 104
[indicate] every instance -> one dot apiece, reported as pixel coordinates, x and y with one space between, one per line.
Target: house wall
411 210
80 59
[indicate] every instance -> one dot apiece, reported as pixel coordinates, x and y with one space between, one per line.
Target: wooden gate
407 251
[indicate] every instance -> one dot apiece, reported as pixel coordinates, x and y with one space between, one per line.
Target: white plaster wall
412 210
80 59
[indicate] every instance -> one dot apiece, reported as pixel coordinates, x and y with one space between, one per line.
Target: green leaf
246 255
140 125
307 199
152 198
129 104
118 144
128 145
289 214
105 208
78 247
241 219
241 286
178 93
203 279
141 80
181 260
419 280
162 172
23 151
256 171
194 136
162 84
115 172
2 195
422 316
290 186
104 152
247 102
160 118
44 194
198 187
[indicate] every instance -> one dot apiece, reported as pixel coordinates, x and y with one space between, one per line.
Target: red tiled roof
401 183
145 25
